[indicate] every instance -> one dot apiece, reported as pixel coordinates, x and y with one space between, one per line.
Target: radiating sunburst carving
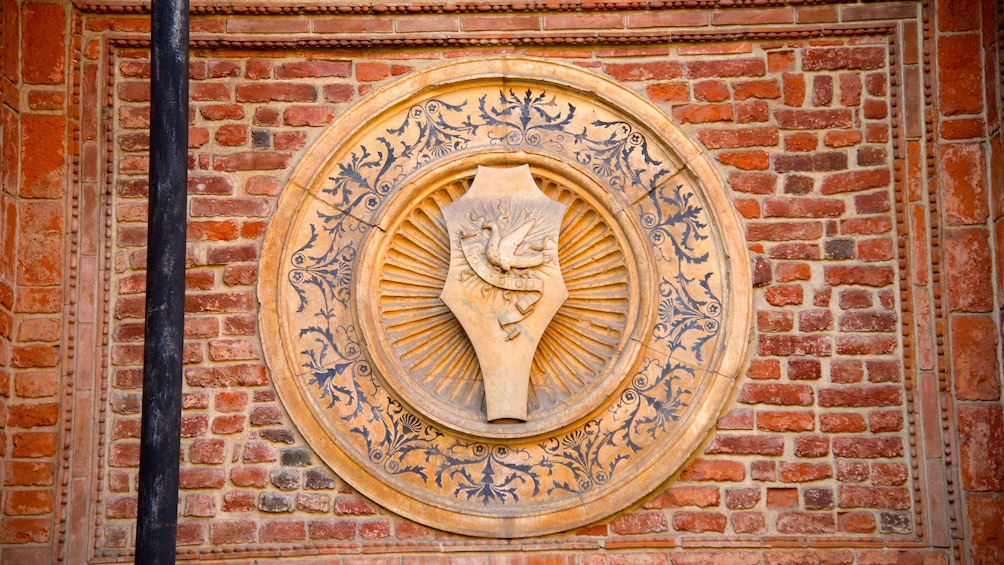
430 344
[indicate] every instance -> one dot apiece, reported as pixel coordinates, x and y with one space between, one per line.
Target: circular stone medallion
499 297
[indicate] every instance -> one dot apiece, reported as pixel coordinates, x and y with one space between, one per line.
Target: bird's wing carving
513 239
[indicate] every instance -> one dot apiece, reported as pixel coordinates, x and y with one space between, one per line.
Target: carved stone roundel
504 297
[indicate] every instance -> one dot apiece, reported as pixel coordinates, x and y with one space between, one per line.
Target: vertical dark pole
160 442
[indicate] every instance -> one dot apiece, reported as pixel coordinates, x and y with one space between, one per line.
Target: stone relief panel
504 297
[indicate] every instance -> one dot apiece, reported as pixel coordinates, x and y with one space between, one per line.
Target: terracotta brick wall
860 144
33 225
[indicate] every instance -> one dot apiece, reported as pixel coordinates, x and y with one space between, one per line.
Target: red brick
801 207
211 451
23 473
866 345
742 498
238 501
201 478
960 81
889 474
27 503
249 161
884 421
964 179
812 446
775 322
788 345
584 21
843 58
805 523
375 529
332 529
789 472
44 39
283 532
784 231
868 321
231 134
754 183
985 513
637 523
794 89
679 497
714 470
793 272
894 498
875 109
249 476
963 128
290 140
764 369
43 156
726 68
969 270
232 531
748 523
867 447
974 359
258 452
228 424
981 455
804 369
313 68
764 89
763 470
276 92
230 375
711 91
702 113
873 276
813 119
32 415
746 160
668 92
739 137
661 70
783 295
699 521
25 530
776 393
746 445
801 141
786 421
857 522
842 422
309 116
782 498
35 384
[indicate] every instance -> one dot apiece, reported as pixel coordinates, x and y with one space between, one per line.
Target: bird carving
503 251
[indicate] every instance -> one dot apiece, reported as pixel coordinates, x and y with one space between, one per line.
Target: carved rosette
372 316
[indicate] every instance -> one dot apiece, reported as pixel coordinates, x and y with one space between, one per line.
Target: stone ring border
306 182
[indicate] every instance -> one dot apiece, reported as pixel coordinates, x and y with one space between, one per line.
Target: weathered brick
969 270
786 421
805 523
679 497
687 521
726 68
981 436
739 137
843 58
867 447
637 523
714 470
853 496
794 472
746 445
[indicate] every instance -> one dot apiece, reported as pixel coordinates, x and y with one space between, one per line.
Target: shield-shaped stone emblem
504 284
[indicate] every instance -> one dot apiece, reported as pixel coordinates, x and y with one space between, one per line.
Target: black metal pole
160 441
